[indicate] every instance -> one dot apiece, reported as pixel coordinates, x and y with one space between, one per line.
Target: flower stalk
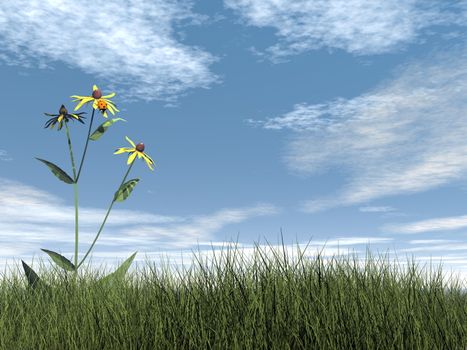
105 219
86 146
75 188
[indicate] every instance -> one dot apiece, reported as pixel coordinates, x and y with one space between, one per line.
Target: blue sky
338 121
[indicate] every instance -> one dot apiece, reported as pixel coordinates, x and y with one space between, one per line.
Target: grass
269 302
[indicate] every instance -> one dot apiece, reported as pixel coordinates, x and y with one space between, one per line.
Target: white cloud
436 224
355 240
31 219
437 248
128 43
429 241
371 209
25 205
405 136
199 227
357 26
4 155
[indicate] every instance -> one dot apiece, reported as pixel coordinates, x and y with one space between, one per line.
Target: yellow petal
131 158
131 142
123 150
109 95
140 154
82 102
147 156
94 88
104 113
94 105
60 118
111 106
148 160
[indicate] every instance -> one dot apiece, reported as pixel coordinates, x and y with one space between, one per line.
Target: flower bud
140 147
97 93
63 110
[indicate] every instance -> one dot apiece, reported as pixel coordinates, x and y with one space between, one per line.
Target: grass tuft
268 302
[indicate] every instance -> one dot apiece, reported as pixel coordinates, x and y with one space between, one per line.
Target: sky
337 124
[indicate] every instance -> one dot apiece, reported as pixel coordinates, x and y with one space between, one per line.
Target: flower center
97 93
140 147
102 105
63 110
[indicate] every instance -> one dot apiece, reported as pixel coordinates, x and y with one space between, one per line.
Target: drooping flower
61 117
102 103
135 150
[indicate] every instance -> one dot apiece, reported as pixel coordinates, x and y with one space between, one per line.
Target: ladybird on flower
102 103
135 150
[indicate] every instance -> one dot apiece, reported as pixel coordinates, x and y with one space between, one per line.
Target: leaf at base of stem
60 260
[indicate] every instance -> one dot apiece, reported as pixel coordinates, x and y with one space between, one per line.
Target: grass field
269 302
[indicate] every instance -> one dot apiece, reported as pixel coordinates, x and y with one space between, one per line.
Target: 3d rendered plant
103 104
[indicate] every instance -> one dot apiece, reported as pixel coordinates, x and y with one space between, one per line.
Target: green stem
85 147
105 219
75 186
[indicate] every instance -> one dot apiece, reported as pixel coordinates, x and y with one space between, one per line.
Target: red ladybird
101 105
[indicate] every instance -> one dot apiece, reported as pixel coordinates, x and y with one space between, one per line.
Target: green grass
270 302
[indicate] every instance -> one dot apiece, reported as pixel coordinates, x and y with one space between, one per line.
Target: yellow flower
137 150
61 117
102 103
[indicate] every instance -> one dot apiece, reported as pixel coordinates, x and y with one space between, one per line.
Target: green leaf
119 273
32 277
60 260
102 128
125 190
34 281
57 171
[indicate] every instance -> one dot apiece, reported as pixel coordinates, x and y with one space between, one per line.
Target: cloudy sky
343 122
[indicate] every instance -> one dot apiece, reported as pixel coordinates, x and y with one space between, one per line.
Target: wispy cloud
198 227
128 43
376 209
353 241
357 26
405 136
437 248
430 241
436 224
17 200
4 155
29 217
